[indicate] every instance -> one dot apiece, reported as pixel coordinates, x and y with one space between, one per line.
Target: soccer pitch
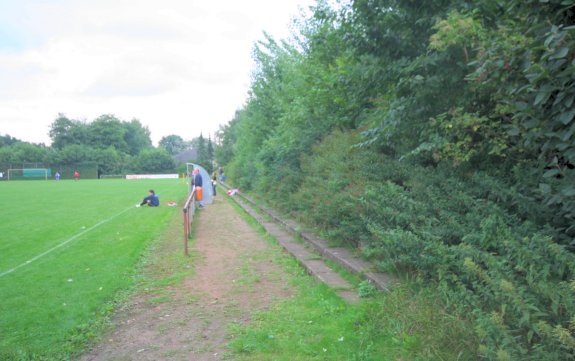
66 249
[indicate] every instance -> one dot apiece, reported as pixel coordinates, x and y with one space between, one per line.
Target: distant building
186 156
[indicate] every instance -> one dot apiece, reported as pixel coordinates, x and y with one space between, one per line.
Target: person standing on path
198 184
214 182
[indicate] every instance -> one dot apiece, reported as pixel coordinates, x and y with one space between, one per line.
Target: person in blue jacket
152 200
197 182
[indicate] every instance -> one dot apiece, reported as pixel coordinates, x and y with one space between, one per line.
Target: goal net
29 174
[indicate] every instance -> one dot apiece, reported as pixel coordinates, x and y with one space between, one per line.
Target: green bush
464 170
481 242
329 193
514 283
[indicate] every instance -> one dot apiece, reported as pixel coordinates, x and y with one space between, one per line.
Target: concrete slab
297 250
380 280
347 259
317 266
322 272
284 230
350 296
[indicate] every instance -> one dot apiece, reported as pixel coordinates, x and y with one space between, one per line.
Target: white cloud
179 66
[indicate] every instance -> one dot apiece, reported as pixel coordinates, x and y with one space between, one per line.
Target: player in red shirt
76 175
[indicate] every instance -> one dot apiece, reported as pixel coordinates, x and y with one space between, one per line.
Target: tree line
113 145
439 138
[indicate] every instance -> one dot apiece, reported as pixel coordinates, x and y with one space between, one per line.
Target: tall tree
226 139
23 152
201 146
137 137
6 140
210 149
108 131
155 161
174 144
65 131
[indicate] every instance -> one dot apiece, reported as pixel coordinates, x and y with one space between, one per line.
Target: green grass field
47 306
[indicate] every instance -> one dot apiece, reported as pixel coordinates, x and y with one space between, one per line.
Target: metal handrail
188 210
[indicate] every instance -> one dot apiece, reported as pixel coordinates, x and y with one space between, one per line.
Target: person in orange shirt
198 184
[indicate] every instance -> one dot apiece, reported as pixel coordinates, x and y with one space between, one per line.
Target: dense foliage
112 145
438 136
173 144
205 152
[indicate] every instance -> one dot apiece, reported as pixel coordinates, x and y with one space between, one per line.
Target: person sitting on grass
152 200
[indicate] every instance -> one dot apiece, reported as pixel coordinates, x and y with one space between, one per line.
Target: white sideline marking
63 243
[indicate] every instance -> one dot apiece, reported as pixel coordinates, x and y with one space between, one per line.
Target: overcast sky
179 66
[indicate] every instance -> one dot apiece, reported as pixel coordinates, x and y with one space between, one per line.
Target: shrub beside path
286 231
230 275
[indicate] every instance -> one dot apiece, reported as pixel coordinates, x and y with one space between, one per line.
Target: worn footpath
232 276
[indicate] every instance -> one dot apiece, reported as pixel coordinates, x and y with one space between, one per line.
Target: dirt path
233 276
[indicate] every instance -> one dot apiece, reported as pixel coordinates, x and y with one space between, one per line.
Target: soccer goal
29 174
